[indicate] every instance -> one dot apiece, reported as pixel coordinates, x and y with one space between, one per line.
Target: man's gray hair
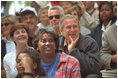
56 7
67 17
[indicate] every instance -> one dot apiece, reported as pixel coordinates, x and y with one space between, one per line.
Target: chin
48 52
20 72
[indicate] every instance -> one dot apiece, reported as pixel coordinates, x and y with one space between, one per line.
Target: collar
104 27
63 57
65 43
7 40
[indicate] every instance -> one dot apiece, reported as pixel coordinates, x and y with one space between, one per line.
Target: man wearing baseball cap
29 16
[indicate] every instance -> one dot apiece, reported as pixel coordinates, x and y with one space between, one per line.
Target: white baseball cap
28 10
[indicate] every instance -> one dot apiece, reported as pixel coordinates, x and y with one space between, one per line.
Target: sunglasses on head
56 16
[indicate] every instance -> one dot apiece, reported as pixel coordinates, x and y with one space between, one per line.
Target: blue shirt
40 25
50 68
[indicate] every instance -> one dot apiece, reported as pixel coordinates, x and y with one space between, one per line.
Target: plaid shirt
69 67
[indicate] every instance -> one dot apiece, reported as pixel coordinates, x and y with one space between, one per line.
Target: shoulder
89 42
111 28
69 58
111 31
39 24
96 29
88 39
10 55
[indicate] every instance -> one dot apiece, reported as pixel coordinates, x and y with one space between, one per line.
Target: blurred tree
5 5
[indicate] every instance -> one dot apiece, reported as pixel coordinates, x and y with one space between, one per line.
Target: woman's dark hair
105 3
110 5
39 33
35 57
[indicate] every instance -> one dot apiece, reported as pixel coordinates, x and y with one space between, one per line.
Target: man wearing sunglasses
55 13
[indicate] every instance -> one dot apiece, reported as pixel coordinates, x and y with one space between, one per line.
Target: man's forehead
70 19
28 14
53 12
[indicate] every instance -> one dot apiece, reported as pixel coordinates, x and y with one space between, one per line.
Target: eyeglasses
5 24
56 16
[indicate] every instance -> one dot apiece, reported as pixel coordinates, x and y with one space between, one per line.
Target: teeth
48 48
54 23
21 38
72 34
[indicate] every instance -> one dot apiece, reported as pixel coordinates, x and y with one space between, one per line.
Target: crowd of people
63 39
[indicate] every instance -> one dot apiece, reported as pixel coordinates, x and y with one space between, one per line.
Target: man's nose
28 20
72 29
53 18
47 42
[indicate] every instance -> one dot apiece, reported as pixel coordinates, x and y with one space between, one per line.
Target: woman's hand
114 58
82 6
27 64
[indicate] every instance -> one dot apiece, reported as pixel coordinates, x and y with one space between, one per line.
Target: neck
48 58
57 30
32 31
105 23
7 36
20 47
45 23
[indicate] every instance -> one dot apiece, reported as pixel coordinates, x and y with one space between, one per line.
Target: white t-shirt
9 62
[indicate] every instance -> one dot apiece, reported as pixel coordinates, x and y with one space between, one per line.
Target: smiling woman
19 34
56 64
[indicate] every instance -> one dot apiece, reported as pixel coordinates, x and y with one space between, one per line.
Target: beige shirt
88 21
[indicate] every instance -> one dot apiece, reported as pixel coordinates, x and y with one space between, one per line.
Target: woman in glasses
6 24
7 44
56 64
19 34
28 64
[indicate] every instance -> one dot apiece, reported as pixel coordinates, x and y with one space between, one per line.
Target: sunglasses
5 24
56 16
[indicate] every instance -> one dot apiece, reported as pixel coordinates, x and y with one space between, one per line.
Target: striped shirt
69 67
